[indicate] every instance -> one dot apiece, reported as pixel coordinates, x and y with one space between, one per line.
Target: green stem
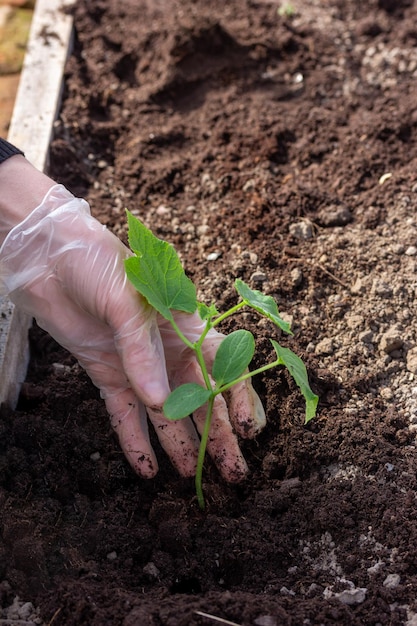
197 349
202 453
181 335
200 358
228 313
264 368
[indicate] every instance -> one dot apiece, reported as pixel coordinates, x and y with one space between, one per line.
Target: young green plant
157 274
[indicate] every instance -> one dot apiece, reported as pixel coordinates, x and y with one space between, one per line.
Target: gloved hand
66 269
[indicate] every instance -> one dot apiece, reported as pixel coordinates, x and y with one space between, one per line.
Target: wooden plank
36 107
39 93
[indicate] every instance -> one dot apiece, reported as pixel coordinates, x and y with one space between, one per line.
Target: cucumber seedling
157 274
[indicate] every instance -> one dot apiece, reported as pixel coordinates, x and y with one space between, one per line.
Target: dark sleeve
7 150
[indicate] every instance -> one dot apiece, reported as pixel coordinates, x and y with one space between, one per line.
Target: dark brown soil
278 146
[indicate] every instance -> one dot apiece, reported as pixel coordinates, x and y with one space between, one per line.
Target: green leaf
206 312
265 305
298 371
233 356
156 272
184 400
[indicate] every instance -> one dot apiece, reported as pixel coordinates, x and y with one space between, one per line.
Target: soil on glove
276 143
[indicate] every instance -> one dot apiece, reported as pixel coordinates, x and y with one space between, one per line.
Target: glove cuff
16 253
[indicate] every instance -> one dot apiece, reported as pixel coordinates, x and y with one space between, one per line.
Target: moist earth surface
276 143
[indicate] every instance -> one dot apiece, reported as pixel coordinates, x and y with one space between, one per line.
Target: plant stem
231 311
202 453
181 335
264 368
200 358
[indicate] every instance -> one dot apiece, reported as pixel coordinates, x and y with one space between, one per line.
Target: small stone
382 289
112 556
358 286
213 256
392 581
411 251
325 347
60 368
302 230
386 393
391 340
163 210
151 570
352 596
335 216
287 592
259 277
296 276
249 185
95 456
25 610
366 336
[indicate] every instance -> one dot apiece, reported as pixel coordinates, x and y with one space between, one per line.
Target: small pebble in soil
352 595
151 570
382 289
61 368
163 210
358 286
286 592
213 256
392 581
335 216
386 393
302 230
391 340
366 336
249 185
325 347
296 276
20 612
259 277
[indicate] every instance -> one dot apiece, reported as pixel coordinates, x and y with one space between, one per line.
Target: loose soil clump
280 147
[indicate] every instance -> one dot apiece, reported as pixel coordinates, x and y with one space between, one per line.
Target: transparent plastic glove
65 269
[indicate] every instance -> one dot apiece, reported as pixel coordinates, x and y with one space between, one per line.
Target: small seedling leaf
298 371
265 305
156 272
184 400
206 312
233 356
